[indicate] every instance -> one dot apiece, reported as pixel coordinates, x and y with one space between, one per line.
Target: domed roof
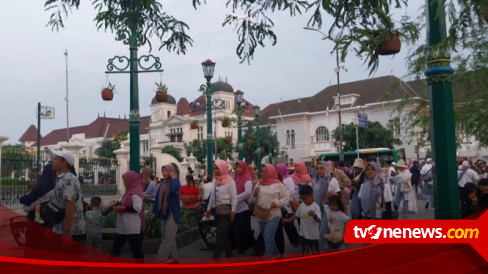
171 100
223 86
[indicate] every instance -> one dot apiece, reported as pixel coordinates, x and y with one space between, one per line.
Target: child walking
310 217
94 223
337 221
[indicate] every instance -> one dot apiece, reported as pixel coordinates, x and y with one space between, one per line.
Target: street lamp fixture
43 112
256 110
238 97
208 69
337 71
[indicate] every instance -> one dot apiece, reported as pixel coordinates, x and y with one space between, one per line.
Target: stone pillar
123 165
184 171
75 149
156 153
2 139
191 161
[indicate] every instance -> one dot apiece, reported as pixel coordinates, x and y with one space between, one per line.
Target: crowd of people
311 204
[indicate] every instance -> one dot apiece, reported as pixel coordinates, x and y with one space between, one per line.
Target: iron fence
19 169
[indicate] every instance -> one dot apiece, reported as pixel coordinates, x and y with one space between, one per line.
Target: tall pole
67 97
439 75
258 148
240 147
341 155
210 142
357 140
134 118
38 137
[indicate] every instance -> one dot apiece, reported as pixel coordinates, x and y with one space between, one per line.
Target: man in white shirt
467 175
427 179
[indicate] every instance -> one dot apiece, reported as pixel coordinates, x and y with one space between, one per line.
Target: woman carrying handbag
222 205
269 196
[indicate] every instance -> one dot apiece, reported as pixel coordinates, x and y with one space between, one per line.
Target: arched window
321 134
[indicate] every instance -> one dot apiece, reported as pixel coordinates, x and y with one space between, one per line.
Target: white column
183 171
122 165
156 153
75 148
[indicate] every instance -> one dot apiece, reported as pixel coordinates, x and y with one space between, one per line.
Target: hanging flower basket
252 137
161 96
193 125
228 139
389 47
161 92
225 124
108 92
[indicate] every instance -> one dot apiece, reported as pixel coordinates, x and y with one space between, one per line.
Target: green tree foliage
107 148
145 18
224 148
358 25
375 135
171 150
198 148
121 136
249 140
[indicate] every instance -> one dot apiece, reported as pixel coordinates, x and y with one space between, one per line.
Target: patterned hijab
284 170
301 174
224 177
321 184
272 176
241 179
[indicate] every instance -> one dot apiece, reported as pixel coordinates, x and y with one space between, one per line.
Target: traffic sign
363 119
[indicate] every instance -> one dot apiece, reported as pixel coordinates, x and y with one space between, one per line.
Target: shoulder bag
220 210
261 213
406 186
428 176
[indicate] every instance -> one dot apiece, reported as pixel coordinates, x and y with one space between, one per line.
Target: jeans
323 229
399 195
268 230
428 192
168 248
355 206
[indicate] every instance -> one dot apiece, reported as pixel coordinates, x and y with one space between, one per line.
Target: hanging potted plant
161 92
194 124
390 45
226 121
108 92
228 139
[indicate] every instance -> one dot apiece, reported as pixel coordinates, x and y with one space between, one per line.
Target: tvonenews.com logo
473 232
375 232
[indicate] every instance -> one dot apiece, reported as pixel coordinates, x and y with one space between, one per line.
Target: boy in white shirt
310 217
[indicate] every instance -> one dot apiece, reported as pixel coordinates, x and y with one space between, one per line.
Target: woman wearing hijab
241 226
374 193
290 229
270 194
223 195
324 185
131 220
167 209
300 177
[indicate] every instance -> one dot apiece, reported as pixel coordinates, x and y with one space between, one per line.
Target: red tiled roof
101 127
30 135
183 107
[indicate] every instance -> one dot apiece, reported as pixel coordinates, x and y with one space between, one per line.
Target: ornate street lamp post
208 71
238 97
270 146
258 141
131 65
439 75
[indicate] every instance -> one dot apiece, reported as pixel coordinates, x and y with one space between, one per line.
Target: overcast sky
33 64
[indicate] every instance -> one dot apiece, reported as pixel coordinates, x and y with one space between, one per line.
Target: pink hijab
301 174
224 176
272 176
134 188
284 170
241 179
